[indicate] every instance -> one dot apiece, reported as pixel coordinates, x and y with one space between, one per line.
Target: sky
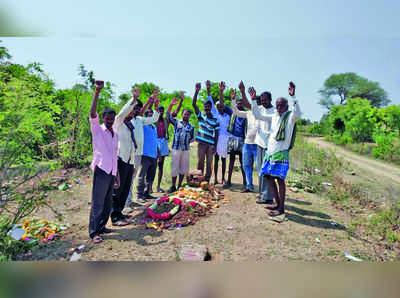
175 44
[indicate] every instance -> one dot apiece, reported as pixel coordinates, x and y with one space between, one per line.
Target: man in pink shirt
104 166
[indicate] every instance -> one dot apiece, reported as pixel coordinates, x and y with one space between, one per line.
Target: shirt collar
104 128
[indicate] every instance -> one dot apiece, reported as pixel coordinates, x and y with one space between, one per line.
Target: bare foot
271 207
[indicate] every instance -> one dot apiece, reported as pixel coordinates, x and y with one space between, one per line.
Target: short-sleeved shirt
207 128
150 141
183 134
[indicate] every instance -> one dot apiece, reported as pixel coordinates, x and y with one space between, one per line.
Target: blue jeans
249 157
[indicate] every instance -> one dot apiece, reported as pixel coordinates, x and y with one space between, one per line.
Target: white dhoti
222 146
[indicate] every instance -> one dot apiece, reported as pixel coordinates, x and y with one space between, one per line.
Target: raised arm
221 94
255 109
242 89
296 108
194 102
93 109
148 104
241 114
209 97
173 102
177 110
208 87
127 108
154 118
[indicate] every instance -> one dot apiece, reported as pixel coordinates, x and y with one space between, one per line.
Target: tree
4 53
340 87
355 120
390 118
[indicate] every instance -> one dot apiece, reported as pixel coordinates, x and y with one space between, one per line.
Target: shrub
385 149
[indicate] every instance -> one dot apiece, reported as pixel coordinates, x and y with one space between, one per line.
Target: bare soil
239 230
380 178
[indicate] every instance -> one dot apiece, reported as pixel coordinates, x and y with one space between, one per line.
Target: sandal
97 239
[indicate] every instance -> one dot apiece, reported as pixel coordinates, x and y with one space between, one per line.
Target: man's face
265 101
220 109
108 120
186 116
207 108
239 105
136 110
149 113
281 106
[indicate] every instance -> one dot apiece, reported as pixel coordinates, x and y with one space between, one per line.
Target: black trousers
103 185
125 171
146 176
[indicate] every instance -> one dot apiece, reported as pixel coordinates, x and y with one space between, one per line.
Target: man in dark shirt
237 129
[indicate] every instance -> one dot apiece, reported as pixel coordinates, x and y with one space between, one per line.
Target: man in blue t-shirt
149 161
207 134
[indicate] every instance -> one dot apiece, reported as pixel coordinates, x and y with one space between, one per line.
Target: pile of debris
183 207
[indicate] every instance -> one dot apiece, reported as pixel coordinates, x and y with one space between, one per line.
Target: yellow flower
26 223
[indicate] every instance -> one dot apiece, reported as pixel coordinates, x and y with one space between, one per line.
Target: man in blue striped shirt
207 134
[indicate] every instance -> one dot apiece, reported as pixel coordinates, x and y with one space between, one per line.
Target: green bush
341 140
385 149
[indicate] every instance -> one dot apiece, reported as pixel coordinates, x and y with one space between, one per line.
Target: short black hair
108 111
267 95
208 102
147 112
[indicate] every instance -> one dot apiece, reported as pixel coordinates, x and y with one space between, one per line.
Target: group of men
135 142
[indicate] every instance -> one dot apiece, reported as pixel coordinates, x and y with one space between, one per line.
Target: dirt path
238 230
376 168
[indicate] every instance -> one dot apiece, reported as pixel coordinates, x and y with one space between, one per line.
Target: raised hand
252 93
233 94
208 84
174 101
198 87
182 95
241 87
222 86
156 102
292 89
155 92
99 85
151 99
136 92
